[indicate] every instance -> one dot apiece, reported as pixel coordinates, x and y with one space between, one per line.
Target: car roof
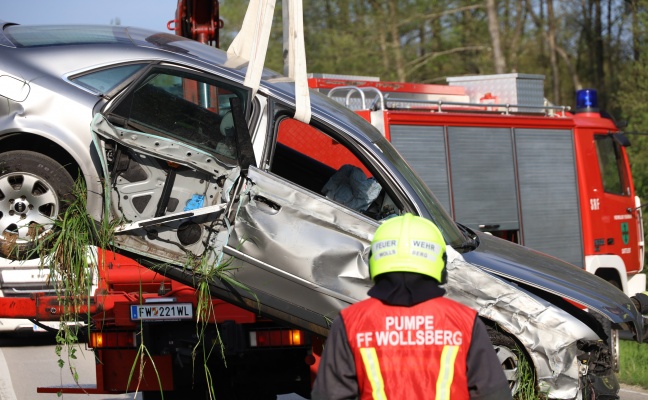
93 44
61 50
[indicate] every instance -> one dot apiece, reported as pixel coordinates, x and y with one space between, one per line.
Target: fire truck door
616 227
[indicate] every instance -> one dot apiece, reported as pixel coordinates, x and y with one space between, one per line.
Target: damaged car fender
548 334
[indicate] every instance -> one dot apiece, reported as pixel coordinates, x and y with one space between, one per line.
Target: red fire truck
135 308
502 160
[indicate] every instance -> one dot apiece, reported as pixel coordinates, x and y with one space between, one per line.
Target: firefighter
408 341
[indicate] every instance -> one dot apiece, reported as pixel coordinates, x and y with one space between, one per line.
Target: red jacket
410 352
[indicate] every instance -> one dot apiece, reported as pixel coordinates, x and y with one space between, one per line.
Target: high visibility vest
416 352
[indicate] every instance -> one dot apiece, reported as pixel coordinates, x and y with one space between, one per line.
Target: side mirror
621 139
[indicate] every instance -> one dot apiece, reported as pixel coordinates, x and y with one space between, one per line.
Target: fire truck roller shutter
424 148
548 192
483 177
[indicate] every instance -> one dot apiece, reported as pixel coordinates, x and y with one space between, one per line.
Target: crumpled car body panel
548 333
520 264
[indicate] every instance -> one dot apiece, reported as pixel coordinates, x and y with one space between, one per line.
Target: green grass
71 265
633 370
633 361
527 389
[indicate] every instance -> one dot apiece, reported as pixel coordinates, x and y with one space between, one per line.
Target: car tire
509 355
34 190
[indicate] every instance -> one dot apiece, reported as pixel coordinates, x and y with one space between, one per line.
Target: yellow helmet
408 244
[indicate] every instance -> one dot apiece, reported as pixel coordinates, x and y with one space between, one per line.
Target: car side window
105 80
314 160
185 107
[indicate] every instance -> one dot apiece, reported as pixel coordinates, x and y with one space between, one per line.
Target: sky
151 14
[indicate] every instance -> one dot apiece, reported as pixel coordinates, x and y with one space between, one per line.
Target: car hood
526 266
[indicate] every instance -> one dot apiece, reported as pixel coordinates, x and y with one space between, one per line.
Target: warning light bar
106 339
586 101
277 338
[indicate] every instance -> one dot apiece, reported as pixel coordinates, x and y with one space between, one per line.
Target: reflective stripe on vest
446 372
372 366
444 382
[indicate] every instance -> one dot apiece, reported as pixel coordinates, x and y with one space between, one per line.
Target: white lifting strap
251 43
295 56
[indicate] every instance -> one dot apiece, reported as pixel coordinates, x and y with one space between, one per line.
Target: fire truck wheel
34 190
508 352
614 283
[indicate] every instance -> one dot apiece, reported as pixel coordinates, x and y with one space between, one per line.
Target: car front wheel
34 190
508 354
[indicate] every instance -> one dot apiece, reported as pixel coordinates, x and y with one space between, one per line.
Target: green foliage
527 389
207 268
428 40
633 360
137 369
72 264
600 45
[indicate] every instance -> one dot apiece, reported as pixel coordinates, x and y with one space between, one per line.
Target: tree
573 43
493 28
632 99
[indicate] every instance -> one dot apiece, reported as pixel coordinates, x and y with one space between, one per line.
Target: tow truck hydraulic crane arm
198 20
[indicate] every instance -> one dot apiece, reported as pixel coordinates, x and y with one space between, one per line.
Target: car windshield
47 35
451 232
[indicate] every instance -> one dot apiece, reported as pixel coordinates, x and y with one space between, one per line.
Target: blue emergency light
586 101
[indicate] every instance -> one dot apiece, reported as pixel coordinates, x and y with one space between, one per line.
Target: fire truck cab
502 160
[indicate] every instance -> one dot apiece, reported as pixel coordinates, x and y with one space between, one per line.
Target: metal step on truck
502 160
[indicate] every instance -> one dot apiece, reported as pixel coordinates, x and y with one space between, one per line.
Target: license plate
162 312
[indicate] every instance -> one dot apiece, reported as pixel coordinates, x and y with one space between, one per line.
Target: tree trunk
598 51
493 28
513 45
563 54
395 41
382 34
636 43
551 35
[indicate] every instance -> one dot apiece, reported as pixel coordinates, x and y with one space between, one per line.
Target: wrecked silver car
199 167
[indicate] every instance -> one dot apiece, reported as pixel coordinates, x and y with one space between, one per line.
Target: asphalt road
633 393
27 362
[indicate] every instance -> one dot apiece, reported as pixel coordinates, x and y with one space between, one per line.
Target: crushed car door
301 231
169 154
